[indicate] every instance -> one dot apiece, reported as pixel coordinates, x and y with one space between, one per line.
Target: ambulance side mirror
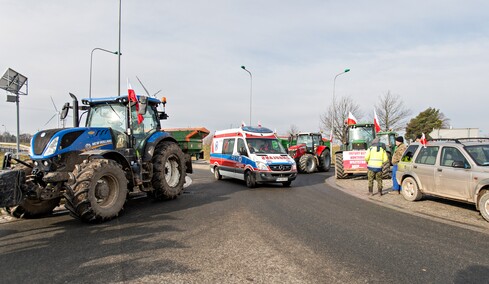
243 152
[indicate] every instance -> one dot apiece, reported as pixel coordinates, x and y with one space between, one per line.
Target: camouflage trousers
377 176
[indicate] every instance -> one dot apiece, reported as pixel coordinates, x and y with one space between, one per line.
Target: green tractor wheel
338 166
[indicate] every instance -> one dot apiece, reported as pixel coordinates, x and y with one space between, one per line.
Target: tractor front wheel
30 208
99 192
307 164
338 166
325 161
168 171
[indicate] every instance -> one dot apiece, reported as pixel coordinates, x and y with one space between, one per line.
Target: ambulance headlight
52 147
262 166
294 167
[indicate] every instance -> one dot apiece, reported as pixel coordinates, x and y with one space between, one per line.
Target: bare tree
293 130
391 112
339 113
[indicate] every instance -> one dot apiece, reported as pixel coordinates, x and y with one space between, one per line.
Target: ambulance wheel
250 179
217 174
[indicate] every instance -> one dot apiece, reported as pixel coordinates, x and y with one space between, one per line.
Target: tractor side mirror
143 105
64 110
162 115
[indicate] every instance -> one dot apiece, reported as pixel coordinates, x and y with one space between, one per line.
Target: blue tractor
122 151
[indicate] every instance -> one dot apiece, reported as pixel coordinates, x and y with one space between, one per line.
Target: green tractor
350 159
389 139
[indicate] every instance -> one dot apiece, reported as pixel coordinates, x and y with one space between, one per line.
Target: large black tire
30 208
338 166
99 192
325 161
168 171
307 164
410 189
250 179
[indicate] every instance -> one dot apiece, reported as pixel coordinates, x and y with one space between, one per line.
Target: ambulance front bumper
275 176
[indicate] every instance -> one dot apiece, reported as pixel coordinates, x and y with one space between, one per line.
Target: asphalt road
222 232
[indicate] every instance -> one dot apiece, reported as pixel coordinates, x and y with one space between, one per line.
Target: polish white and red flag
131 95
423 140
376 122
351 119
331 136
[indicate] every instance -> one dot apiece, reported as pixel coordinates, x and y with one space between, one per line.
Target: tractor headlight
51 149
262 166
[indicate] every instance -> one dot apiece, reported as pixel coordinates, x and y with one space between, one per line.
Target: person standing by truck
400 149
376 156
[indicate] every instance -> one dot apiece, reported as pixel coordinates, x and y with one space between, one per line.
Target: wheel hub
102 190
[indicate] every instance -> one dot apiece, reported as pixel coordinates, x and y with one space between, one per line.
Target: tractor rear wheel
338 166
99 192
325 161
307 164
168 171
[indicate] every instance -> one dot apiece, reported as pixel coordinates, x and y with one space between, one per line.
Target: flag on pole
376 122
331 136
259 123
243 124
423 140
133 98
351 119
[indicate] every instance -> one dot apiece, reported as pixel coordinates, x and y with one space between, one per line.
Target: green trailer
190 139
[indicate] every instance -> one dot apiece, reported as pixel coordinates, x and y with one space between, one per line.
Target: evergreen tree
425 122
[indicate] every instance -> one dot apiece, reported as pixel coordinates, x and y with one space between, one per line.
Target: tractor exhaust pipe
76 122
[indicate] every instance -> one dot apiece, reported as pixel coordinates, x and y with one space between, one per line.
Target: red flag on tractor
376 122
133 98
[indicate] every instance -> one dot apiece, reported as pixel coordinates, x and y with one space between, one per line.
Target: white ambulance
252 154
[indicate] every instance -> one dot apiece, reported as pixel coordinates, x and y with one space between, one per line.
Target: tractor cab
359 136
113 113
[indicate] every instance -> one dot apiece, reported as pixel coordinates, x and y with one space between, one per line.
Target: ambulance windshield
265 146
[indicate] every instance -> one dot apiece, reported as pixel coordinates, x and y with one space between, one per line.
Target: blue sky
428 53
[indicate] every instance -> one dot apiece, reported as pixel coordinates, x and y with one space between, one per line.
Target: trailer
190 139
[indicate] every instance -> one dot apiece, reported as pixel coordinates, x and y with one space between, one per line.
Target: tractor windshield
361 134
108 115
265 146
305 139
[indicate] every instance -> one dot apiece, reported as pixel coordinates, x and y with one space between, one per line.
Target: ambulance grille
278 168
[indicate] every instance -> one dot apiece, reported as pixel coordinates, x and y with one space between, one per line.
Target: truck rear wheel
325 161
338 166
99 192
307 164
168 171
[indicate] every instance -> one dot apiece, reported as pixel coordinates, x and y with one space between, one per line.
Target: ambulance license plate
282 179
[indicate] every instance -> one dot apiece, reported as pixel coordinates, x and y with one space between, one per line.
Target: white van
252 154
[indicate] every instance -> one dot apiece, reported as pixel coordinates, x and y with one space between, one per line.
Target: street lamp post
251 88
91 61
334 103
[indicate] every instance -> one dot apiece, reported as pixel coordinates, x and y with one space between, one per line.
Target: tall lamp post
334 103
251 87
91 61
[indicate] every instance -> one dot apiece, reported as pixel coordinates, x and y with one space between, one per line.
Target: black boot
380 192
370 191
